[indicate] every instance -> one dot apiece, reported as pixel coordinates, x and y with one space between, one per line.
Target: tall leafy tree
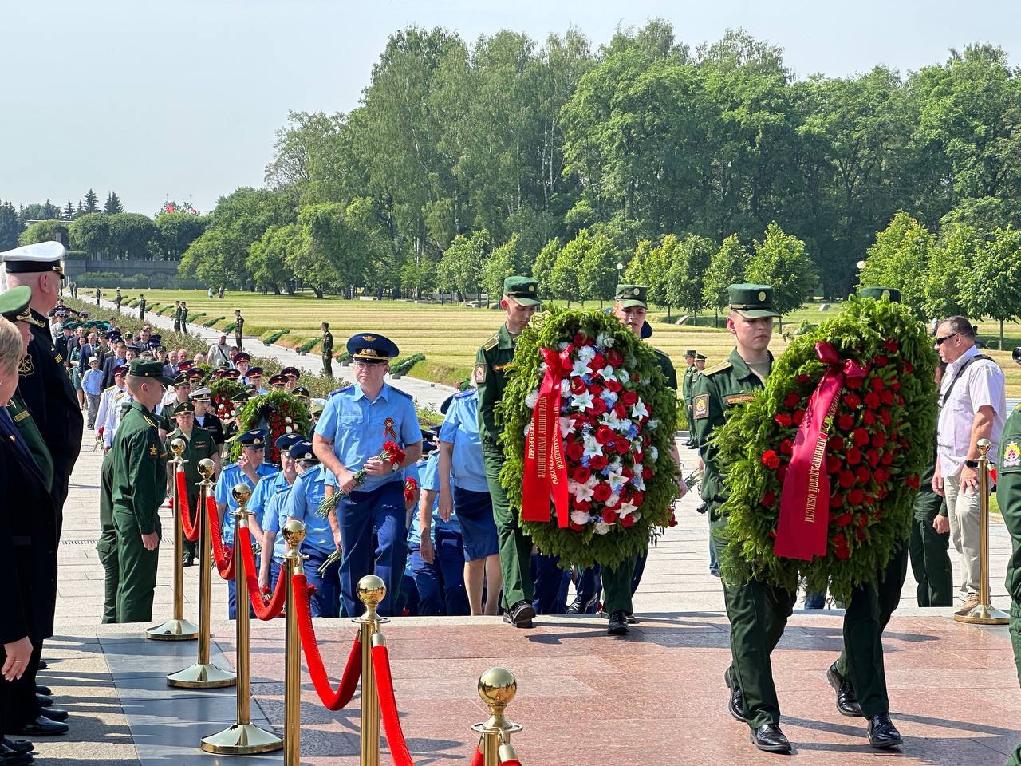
10 226
461 267
270 257
781 260
91 202
688 260
994 286
899 258
113 204
726 267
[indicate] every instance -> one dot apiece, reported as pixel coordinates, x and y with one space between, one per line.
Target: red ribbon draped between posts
264 610
803 527
545 472
189 526
388 707
223 556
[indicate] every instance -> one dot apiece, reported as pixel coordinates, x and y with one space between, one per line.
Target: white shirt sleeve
986 387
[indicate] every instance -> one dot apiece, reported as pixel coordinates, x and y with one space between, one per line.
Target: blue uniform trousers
440 585
325 600
375 542
551 584
232 595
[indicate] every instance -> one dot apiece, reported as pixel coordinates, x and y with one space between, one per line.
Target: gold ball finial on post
241 494
178 446
206 468
294 535
497 687
371 591
983 447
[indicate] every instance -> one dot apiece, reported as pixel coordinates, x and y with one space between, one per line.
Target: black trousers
20 704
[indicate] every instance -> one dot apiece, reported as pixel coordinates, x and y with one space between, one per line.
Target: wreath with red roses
588 426
866 450
279 413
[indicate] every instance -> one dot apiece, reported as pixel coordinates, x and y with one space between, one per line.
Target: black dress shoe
882 732
54 714
188 560
18 745
10 757
768 737
40 689
847 702
735 705
618 623
520 615
42 727
43 664
43 700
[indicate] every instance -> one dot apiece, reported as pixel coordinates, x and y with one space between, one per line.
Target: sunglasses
940 341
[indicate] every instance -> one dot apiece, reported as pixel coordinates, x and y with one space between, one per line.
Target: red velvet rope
189 526
511 762
264 610
388 707
332 700
478 758
223 556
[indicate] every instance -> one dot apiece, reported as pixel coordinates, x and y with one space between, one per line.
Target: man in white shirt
219 353
973 406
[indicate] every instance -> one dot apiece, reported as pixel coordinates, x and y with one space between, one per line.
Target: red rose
628 521
629 398
887 397
623 446
846 479
881 360
852 400
601 492
868 418
887 458
768 499
862 474
791 400
637 498
853 383
770 459
856 496
581 474
620 411
886 417
845 422
575 450
604 434
783 420
836 501
581 505
872 400
891 345
614 357
839 540
647 472
873 457
614 386
599 406
577 386
882 475
832 464
842 520
798 416
843 552
598 362
576 527
595 389
860 437
598 462
786 447
853 456
835 444
609 515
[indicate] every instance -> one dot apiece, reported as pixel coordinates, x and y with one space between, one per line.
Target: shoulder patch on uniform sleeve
480 373
718 367
700 407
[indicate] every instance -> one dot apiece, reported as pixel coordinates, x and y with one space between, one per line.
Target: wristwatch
395 467
971 463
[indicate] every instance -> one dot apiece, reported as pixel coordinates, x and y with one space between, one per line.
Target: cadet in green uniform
757 611
1008 496
177 316
327 350
141 308
184 317
689 376
139 485
117 300
200 445
630 307
239 328
520 299
859 676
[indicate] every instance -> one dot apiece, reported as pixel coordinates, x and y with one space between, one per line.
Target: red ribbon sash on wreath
545 474
802 529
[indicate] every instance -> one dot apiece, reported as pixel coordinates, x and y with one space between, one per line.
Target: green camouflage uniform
1008 496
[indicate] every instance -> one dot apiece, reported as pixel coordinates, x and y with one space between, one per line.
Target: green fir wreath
600 539
879 444
277 412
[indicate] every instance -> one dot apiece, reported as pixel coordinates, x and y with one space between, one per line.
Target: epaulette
492 343
110 388
339 391
466 393
718 367
402 393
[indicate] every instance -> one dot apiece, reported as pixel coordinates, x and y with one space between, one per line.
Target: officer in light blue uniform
250 470
266 502
438 574
349 436
302 504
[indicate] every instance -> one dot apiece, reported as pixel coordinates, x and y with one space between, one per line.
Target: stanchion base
983 614
173 630
242 739
202 677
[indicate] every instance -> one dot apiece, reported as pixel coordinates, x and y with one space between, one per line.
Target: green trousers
617 587
515 546
930 564
107 545
865 619
327 365
137 583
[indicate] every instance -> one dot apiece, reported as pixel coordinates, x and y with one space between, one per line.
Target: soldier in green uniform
1008 496
757 611
99 295
200 445
177 316
141 308
117 300
239 328
859 676
630 307
689 375
139 484
184 317
520 299
327 350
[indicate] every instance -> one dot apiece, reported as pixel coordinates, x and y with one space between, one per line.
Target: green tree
91 202
505 261
113 204
688 260
726 268
597 264
270 257
650 266
176 231
10 226
899 258
542 267
949 270
132 236
461 267
781 260
994 287
565 276
90 233
44 231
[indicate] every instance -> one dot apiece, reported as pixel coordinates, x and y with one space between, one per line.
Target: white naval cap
41 256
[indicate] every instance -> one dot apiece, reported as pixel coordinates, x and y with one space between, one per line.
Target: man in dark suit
119 358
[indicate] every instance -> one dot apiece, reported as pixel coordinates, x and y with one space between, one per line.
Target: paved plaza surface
654 697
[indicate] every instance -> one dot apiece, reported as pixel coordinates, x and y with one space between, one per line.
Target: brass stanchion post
176 628
983 613
203 675
371 591
294 533
497 687
244 737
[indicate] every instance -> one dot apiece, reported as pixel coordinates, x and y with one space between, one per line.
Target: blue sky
181 99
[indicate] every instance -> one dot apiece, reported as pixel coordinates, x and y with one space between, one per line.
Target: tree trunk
668 311
716 317
318 291
1001 335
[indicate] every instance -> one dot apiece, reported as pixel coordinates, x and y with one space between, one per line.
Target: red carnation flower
887 397
891 345
878 440
629 398
842 520
840 546
845 422
770 459
601 492
854 383
598 462
836 501
798 416
852 400
862 474
835 444
578 386
647 472
595 389
581 474
881 360
886 458
886 417
786 447
832 464
846 479
599 406
637 498
614 386
614 357
768 499
872 400
620 411
873 457
598 362
609 515
575 450
853 456
628 521
623 446
604 434
882 475
581 505
791 400
783 420
860 437
856 496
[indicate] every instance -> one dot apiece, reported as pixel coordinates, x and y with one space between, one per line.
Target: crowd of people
429 516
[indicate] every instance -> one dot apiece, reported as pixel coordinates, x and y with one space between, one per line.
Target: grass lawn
450 335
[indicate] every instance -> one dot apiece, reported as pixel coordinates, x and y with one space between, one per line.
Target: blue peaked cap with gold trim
371 347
